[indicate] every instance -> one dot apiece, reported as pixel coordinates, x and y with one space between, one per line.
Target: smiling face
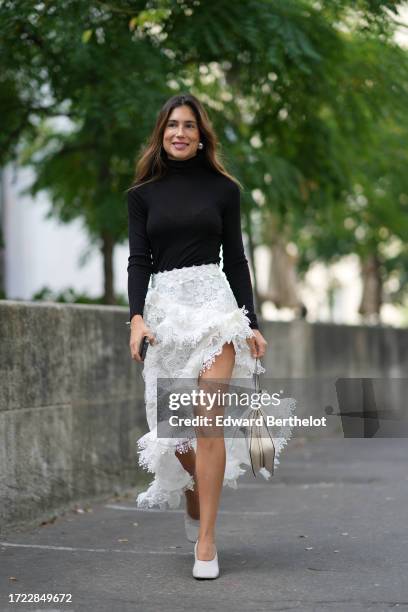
181 134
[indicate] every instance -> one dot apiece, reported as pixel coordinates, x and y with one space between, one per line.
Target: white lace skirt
192 313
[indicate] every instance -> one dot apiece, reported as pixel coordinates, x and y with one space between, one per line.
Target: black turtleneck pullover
182 219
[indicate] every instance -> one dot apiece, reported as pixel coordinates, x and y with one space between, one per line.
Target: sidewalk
328 533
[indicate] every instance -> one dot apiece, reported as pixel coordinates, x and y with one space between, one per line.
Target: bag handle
256 377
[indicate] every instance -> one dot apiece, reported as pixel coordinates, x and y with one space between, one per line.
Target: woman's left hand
257 344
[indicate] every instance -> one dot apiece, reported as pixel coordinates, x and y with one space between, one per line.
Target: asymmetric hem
192 313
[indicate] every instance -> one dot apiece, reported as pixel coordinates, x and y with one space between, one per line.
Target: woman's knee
223 364
210 443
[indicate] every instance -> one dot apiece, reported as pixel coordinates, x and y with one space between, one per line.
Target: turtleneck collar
185 165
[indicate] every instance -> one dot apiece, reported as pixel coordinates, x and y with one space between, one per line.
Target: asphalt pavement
329 532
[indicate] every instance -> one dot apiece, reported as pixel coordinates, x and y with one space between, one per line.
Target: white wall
44 252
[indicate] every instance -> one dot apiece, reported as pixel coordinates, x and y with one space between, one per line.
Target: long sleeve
140 265
235 263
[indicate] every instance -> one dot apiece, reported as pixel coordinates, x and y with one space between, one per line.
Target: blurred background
310 102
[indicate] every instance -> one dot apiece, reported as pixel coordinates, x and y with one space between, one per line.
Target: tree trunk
107 248
2 246
371 299
283 284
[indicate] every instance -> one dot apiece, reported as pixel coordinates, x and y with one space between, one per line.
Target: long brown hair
150 165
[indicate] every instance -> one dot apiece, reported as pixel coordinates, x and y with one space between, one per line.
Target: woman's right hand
138 329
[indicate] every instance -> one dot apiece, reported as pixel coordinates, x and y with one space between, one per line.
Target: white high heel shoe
192 527
205 569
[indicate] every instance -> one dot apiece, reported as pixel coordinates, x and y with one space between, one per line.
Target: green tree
81 83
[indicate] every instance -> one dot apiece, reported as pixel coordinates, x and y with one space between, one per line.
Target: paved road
328 532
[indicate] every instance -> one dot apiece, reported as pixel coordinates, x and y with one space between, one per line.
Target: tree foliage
307 98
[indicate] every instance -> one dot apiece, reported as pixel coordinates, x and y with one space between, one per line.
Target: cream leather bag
259 440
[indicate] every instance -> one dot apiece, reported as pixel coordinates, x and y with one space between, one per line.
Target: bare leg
210 461
192 499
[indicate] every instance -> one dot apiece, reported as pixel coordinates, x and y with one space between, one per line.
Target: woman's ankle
206 540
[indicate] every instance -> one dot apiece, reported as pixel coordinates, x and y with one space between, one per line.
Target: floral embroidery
192 313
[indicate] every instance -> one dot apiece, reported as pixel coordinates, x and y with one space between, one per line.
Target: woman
199 320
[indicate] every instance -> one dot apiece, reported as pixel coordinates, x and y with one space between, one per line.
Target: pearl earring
200 145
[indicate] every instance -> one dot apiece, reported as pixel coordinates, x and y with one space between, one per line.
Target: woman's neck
185 165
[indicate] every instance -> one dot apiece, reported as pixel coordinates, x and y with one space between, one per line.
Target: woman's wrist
135 320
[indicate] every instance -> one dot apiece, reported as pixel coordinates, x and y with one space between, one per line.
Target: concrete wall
71 406
71 399
326 364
